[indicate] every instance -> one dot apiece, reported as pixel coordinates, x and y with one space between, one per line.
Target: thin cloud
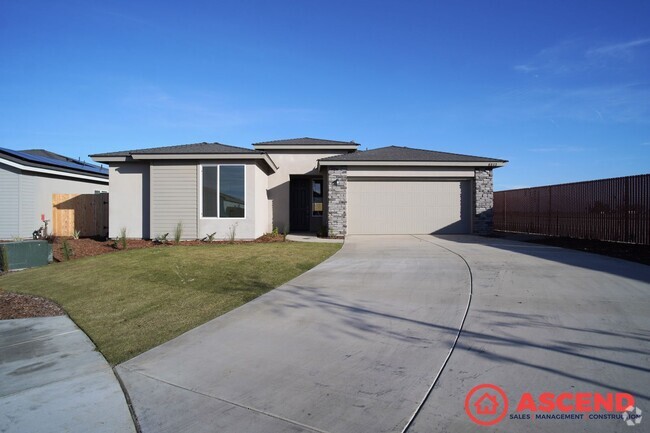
576 55
558 58
620 50
557 149
525 68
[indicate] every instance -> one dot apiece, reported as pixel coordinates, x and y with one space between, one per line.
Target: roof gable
306 143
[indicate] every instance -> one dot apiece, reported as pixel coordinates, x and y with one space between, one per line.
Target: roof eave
488 164
186 156
94 177
106 159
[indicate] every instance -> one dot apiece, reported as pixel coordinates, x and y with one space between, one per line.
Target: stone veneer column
483 202
337 201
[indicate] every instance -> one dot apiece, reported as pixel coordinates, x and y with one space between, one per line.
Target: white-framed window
223 191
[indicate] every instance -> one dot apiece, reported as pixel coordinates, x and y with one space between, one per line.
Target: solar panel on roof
90 168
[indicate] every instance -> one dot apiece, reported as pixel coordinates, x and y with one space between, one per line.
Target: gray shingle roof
398 153
305 141
195 148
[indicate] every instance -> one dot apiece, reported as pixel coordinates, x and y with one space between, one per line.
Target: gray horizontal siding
9 202
174 198
29 218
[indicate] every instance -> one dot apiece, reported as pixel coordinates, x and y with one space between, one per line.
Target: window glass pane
317 197
209 192
231 191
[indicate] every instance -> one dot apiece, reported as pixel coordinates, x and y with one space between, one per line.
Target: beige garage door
408 206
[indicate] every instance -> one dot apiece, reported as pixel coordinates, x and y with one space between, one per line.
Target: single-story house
301 185
28 178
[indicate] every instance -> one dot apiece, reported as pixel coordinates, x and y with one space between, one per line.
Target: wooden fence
616 209
87 213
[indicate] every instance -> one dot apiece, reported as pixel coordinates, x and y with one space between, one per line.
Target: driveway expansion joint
240 405
453 346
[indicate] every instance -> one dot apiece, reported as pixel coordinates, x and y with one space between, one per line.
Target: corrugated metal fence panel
616 209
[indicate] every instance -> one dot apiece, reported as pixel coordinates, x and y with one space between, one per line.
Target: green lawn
131 301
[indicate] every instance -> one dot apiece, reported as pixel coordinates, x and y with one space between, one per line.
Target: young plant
285 232
178 232
275 231
209 237
76 234
232 233
123 238
4 259
66 250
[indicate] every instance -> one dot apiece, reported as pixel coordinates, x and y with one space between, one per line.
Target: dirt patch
92 247
631 252
18 306
87 247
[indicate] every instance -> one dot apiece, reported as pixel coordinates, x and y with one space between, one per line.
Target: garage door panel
408 206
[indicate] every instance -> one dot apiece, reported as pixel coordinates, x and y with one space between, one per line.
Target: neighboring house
299 184
28 178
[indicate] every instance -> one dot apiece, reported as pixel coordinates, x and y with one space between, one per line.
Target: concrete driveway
354 344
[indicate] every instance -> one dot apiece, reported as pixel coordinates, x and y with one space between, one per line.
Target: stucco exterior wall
290 162
129 200
262 203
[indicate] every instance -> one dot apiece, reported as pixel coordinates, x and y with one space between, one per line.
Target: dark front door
299 205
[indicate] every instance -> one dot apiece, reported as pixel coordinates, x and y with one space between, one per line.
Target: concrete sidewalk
53 380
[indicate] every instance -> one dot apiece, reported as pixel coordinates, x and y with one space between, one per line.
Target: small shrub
322 232
4 259
76 234
210 237
178 232
232 233
66 250
275 231
123 238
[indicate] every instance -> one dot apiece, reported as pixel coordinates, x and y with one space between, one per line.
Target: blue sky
560 89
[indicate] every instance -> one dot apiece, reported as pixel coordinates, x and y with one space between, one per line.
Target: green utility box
25 254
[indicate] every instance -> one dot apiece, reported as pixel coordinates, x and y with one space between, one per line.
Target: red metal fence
616 209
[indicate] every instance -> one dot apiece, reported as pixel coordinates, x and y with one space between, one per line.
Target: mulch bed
17 306
87 247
